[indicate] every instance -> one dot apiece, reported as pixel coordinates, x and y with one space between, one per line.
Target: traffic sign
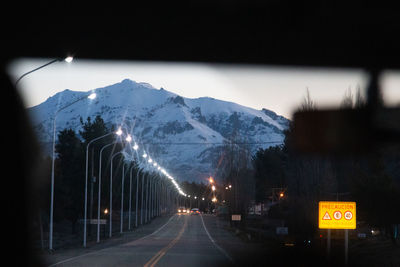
337 215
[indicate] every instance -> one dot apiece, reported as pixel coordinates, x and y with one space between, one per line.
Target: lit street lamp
135 146
86 182
90 96
67 59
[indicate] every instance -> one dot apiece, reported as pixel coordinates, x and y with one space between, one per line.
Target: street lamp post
90 96
99 190
111 188
86 183
130 197
122 198
128 139
142 189
137 192
135 147
147 199
142 198
67 59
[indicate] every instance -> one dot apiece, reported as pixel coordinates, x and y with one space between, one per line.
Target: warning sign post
337 215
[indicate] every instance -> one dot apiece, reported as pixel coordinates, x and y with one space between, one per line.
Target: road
183 240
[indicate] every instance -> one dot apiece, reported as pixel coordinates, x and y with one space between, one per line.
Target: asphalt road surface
183 240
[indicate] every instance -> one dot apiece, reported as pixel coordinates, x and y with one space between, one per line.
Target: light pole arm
38 68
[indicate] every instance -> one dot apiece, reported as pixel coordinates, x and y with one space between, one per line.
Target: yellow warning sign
337 215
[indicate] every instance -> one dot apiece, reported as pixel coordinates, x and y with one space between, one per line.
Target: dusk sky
278 89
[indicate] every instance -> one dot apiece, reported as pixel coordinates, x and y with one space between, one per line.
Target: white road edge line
104 249
213 241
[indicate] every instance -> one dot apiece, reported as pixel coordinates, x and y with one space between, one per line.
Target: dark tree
69 186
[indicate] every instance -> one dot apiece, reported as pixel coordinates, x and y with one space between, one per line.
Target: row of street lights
146 165
135 147
213 187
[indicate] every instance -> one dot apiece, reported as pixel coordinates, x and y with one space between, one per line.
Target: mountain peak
127 81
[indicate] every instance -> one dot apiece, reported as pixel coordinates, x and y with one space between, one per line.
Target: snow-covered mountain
183 135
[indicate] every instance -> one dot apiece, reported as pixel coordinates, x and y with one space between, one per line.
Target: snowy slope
181 133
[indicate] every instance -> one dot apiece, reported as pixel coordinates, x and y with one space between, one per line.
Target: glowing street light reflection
92 96
119 132
135 146
69 59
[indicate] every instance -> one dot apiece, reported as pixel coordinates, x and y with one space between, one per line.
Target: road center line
213 241
105 249
153 261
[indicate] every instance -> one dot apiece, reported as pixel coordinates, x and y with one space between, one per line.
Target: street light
119 132
99 189
90 96
137 195
67 59
135 146
86 182
111 188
